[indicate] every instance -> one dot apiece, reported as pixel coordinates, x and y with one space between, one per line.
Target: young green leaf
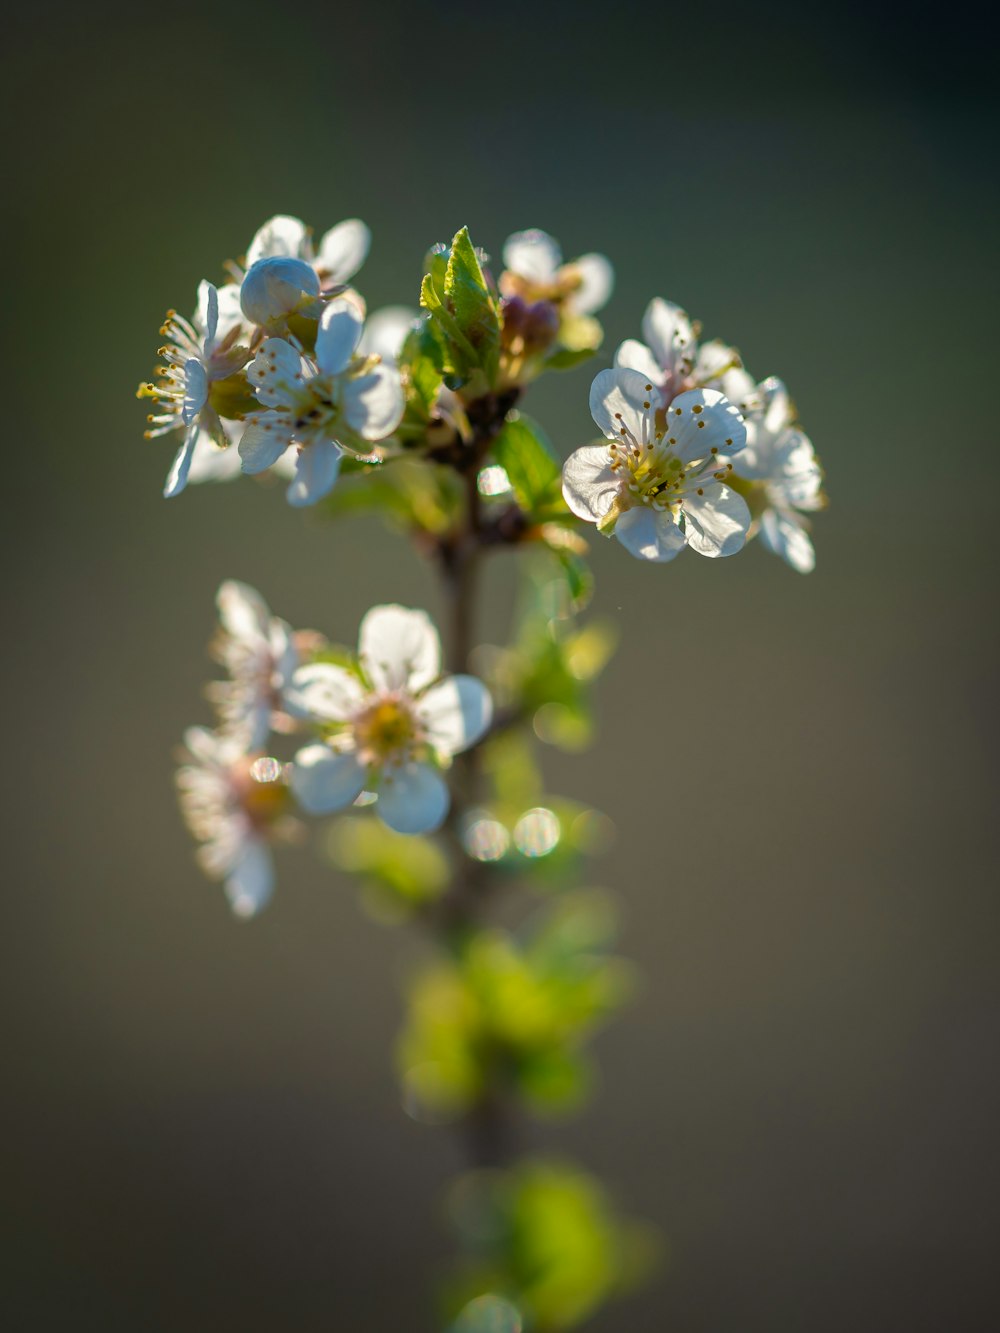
523 451
470 301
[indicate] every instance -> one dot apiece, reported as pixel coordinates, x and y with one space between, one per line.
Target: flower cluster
380 729
272 367
278 370
698 454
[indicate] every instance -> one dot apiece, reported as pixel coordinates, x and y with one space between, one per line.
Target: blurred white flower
391 731
322 406
386 331
236 804
535 271
673 362
342 250
784 477
196 355
258 651
660 484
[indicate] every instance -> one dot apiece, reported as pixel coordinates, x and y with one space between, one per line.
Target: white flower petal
281 236
399 647
276 373
195 390
207 747
618 398
386 331
534 255
340 329
177 477
456 713
250 883
284 654
799 478
701 420
287 463
323 781
211 324
230 310
667 330
716 523
243 613
588 483
649 534
597 280
374 402
264 441
342 251
713 360
412 798
316 472
211 463
634 355
785 536
324 691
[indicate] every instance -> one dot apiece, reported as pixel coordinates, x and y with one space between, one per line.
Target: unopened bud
534 325
277 287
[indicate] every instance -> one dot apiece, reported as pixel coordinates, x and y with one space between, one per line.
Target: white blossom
660 483
782 477
196 355
391 729
324 406
386 331
535 271
673 361
235 804
341 252
258 651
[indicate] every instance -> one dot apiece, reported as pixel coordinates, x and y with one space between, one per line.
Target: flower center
385 729
315 407
261 790
649 471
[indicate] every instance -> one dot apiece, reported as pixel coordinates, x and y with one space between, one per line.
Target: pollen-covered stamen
388 729
647 467
181 387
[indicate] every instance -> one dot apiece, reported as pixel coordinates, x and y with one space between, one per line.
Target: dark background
203 1127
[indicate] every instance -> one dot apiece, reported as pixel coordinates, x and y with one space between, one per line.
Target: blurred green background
203 1126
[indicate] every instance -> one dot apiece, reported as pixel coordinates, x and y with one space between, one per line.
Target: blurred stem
487 1126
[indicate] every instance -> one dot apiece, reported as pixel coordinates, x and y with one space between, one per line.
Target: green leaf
524 452
555 1081
470 301
458 354
404 872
